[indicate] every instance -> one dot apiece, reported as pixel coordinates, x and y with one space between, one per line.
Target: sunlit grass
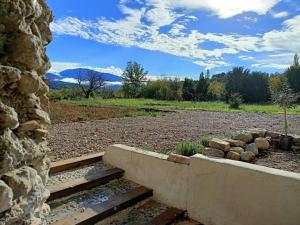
184 105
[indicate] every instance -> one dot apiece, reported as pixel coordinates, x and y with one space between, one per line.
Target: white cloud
69 80
280 14
60 66
275 61
223 9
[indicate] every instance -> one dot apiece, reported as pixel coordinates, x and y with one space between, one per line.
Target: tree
188 90
202 88
90 81
276 82
134 79
216 90
235 81
286 99
293 74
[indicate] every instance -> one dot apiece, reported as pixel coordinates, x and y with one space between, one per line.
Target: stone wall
24 35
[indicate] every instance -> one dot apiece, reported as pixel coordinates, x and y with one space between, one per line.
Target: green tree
216 90
134 79
293 74
235 81
188 90
202 88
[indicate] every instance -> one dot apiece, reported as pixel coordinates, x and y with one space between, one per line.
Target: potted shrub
286 99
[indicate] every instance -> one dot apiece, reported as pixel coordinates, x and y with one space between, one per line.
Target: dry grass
65 112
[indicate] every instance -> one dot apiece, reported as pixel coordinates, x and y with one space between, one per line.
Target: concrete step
68 164
108 208
88 182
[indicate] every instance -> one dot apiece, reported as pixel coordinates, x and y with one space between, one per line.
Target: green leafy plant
188 149
235 101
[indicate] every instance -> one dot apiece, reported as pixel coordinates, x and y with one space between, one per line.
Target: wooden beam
167 217
101 211
84 183
63 165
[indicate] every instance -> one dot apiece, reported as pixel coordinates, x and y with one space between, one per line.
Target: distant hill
67 78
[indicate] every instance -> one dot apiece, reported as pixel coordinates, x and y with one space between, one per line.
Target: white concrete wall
214 191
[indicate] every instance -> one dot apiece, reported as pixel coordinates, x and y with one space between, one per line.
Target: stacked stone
244 145
24 166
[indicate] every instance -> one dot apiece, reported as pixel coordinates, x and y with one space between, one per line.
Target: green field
184 105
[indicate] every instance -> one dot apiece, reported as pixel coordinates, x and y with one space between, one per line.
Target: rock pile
246 145
24 35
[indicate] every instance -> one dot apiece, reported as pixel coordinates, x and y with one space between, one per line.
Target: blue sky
174 37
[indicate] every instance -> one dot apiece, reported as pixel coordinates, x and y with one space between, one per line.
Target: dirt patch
164 132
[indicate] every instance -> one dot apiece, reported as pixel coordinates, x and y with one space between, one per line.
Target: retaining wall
214 191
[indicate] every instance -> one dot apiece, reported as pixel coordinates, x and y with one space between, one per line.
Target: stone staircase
86 191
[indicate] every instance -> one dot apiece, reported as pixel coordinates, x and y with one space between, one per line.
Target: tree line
241 83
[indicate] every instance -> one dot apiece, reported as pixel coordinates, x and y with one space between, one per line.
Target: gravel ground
76 173
163 132
64 207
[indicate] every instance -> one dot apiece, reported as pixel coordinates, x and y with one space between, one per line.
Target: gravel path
162 132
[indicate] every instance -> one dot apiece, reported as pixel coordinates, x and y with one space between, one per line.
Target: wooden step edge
67 164
84 183
103 210
168 217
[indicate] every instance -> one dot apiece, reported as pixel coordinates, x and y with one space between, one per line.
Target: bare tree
90 81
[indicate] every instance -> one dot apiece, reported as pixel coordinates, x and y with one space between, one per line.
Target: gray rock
219 144
213 152
238 150
9 75
29 83
8 117
262 143
233 155
247 156
244 136
6 197
257 132
252 148
29 126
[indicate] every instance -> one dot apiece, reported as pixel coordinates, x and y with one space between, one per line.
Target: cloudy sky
175 37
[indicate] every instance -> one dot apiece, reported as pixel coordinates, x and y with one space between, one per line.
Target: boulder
8 75
8 117
257 132
179 159
6 197
238 150
244 136
219 144
247 156
235 143
295 148
40 115
252 148
262 143
213 152
296 139
40 134
233 155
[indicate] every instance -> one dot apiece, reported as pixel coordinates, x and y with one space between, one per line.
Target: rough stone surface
235 143
252 148
262 143
257 132
219 144
238 150
213 152
233 155
247 156
244 136
273 135
6 197
24 166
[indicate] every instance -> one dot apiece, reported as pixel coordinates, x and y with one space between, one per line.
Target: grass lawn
184 105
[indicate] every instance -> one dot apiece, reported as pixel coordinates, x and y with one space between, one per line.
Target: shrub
188 149
235 101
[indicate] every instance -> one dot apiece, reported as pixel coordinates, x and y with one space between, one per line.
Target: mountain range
68 78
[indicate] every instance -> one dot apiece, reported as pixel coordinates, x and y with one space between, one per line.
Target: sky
174 38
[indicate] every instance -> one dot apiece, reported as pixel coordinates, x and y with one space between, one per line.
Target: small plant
235 101
188 149
206 139
286 99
